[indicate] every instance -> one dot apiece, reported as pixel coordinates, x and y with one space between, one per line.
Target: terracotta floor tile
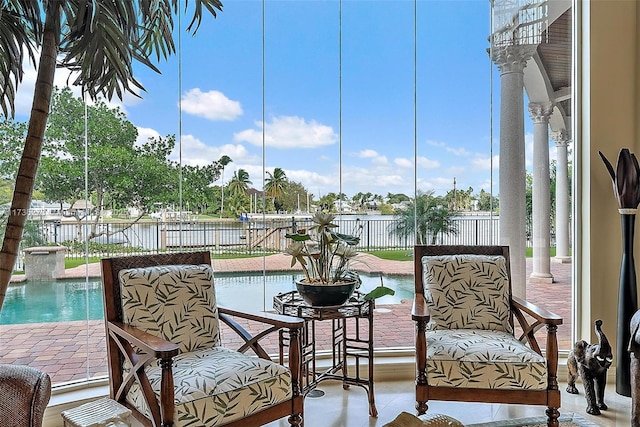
64 349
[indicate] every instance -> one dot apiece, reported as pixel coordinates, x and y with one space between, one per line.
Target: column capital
512 59
540 111
562 137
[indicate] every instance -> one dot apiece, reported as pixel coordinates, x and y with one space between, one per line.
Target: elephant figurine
591 362
634 348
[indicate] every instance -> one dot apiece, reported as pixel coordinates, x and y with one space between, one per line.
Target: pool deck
71 351
278 262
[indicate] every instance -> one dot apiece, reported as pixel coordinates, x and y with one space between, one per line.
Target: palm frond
103 40
21 27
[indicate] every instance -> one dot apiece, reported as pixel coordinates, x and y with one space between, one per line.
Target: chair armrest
536 312
541 317
149 343
420 311
264 317
273 323
126 337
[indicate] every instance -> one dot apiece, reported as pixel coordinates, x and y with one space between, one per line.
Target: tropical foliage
240 182
325 258
274 186
427 217
100 42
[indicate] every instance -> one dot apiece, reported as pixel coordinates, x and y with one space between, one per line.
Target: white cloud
423 162
144 134
403 163
212 105
380 160
62 78
461 152
435 143
426 163
482 162
289 132
368 154
196 153
354 179
376 158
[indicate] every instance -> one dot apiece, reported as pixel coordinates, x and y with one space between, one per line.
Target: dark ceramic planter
325 295
627 304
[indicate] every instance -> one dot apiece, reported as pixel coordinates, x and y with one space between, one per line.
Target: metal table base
351 341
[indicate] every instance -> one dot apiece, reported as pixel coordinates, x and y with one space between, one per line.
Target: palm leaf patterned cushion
175 302
217 386
470 340
483 359
467 292
213 385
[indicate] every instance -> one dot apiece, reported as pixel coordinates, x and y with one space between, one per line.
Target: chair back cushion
175 302
467 292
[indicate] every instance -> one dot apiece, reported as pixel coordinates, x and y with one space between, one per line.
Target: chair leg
422 393
421 407
421 398
552 417
295 420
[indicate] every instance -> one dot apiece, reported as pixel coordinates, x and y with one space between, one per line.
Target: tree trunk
25 177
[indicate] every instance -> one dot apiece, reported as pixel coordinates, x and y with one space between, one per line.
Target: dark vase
325 295
627 304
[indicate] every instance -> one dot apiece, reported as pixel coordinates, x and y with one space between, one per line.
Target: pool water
66 300
52 301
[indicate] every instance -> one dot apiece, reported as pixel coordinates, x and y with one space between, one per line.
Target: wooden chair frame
521 310
125 342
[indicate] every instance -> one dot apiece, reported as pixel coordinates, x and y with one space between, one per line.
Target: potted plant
325 259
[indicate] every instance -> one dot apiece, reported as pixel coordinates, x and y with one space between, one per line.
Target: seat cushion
483 359
218 385
467 292
175 302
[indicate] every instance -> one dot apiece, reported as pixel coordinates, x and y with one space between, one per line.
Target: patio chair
24 395
466 344
166 361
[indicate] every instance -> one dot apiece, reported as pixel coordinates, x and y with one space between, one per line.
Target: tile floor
349 408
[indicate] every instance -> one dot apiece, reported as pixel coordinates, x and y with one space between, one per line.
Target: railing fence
246 237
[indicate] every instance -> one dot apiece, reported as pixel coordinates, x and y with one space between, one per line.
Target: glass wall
277 109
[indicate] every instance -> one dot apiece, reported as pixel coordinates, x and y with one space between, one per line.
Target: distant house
41 210
80 209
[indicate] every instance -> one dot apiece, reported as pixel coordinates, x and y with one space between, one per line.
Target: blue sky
221 94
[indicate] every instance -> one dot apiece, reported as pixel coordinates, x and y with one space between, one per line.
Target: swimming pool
66 300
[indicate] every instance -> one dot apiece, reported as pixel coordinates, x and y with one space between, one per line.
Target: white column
511 61
541 203
562 139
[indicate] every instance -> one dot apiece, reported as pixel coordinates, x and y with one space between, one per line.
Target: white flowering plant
326 256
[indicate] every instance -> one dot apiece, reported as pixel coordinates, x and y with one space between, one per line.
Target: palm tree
224 161
97 40
431 217
274 186
239 184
